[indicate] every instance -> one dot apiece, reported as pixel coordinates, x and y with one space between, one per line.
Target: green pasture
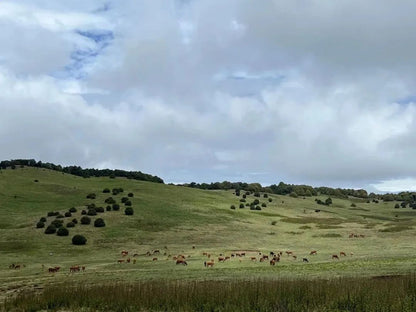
178 220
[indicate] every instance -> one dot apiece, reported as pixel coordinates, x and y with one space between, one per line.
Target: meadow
183 221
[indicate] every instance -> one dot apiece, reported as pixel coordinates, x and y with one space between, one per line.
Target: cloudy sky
301 91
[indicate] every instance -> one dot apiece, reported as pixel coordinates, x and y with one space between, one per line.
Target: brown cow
265 257
124 253
313 252
121 260
289 253
335 257
305 260
221 259
294 257
253 258
74 268
272 262
183 262
208 264
83 268
342 254
128 260
154 259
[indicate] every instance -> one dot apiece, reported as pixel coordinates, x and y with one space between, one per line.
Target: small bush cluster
116 207
99 222
327 201
85 220
117 191
128 211
51 229
70 225
91 196
62 231
79 240
68 214
40 225
110 200
232 207
106 190
127 203
130 194
73 210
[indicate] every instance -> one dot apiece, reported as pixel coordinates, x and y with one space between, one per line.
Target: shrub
116 207
92 212
85 220
256 194
258 208
328 201
128 211
110 201
274 222
403 204
60 216
241 205
256 202
75 221
127 203
40 225
99 209
83 212
293 194
70 225
244 195
265 195
124 199
247 205
115 191
270 200
52 213
99 222
51 229
91 196
62 231
130 194
397 206
68 214
232 207
106 190
79 240
108 208
354 205
57 223
252 208
36 181
43 219
237 192
242 200
91 206
73 210
263 205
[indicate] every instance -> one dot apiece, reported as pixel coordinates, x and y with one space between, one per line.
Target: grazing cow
242 254
317 210
294 257
342 254
351 253
154 259
54 269
74 268
193 247
121 260
261 259
271 253
265 257
135 255
156 251
313 252
276 258
272 262
289 253
253 258
351 235
335 257
362 235
221 259
124 253
238 254
183 262
208 264
204 254
17 267
148 253
305 260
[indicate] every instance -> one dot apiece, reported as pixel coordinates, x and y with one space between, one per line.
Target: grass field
178 220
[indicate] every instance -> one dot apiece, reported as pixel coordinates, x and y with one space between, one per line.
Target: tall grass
397 293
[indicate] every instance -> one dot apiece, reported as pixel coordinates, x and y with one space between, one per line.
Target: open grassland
177 220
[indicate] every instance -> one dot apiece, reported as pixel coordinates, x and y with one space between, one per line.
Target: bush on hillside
60 216
256 194
57 223
85 220
127 203
91 206
92 212
62 231
73 210
232 207
91 196
43 219
99 209
130 194
354 205
99 222
40 225
258 208
265 195
263 205
70 225
51 229
241 205
75 221
108 208
116 207
52 213
124 199
110 200
68 214
83 212
128 211
79 240
242 200
397 206
106 190
293 194
256 202
270 200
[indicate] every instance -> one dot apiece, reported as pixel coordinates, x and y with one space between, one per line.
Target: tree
79 240
328 201
99 222
40 225
62 231
128 211
85 220
51 229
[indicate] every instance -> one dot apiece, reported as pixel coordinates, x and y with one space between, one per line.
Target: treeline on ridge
78 171
303 190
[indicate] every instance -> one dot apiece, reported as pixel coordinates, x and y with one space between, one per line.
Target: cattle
193 247
183 262
83 268
289 253
305 260
313 253
272 262
271 253
54 269
156 251
135 255
294 257
351 253
74 268
351 235
124 253
121 261
154 259
148 253
232 255
209 264
253 258
265 257
261 259
128 260
227 258
204 253
242 254
335 257
342 254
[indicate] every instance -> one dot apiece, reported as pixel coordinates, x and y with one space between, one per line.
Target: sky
301 91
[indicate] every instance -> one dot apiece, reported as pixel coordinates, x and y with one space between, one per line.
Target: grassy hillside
175 219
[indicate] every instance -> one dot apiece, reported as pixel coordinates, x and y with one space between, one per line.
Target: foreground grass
384 293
